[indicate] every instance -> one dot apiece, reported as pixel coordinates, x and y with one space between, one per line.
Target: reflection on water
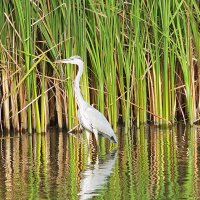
96 176
148 164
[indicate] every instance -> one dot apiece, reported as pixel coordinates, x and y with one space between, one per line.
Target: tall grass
141 58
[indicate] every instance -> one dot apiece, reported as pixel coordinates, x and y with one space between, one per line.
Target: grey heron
89 118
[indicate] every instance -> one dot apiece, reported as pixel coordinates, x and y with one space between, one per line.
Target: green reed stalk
182 55
43 108
80 42
194 26
78 31
110 44
68 70
196 39
50 30
172 84
106 28
14 106
6 107
155 59
4 70
94 48
24 24
165 17
140 80
124 61
103 21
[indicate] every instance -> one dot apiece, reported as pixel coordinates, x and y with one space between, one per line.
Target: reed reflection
149 164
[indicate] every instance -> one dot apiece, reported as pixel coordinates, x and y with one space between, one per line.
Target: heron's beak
63 61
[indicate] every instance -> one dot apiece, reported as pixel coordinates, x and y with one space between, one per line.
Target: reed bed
142 58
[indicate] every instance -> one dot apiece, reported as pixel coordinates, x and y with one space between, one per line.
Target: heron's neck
79 98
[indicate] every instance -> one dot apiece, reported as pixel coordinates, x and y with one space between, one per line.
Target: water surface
147 164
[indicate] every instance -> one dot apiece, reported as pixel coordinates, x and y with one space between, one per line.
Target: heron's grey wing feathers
83 120
98 121
93 121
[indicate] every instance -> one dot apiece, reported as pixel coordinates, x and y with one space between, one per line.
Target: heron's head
76 60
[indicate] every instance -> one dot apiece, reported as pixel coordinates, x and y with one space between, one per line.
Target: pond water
147 163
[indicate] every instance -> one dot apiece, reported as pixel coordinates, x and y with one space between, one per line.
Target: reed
142 61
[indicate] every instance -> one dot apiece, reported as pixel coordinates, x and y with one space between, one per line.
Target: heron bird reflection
96 175
89 118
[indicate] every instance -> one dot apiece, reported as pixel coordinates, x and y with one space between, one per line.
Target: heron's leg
96 135
97 161
88 160
88 138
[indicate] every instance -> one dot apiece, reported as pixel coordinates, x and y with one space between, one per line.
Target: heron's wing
98 121
84 121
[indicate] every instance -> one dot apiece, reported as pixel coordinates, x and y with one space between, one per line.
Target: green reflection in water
149 164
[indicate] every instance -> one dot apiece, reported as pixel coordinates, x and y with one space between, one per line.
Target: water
146 164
